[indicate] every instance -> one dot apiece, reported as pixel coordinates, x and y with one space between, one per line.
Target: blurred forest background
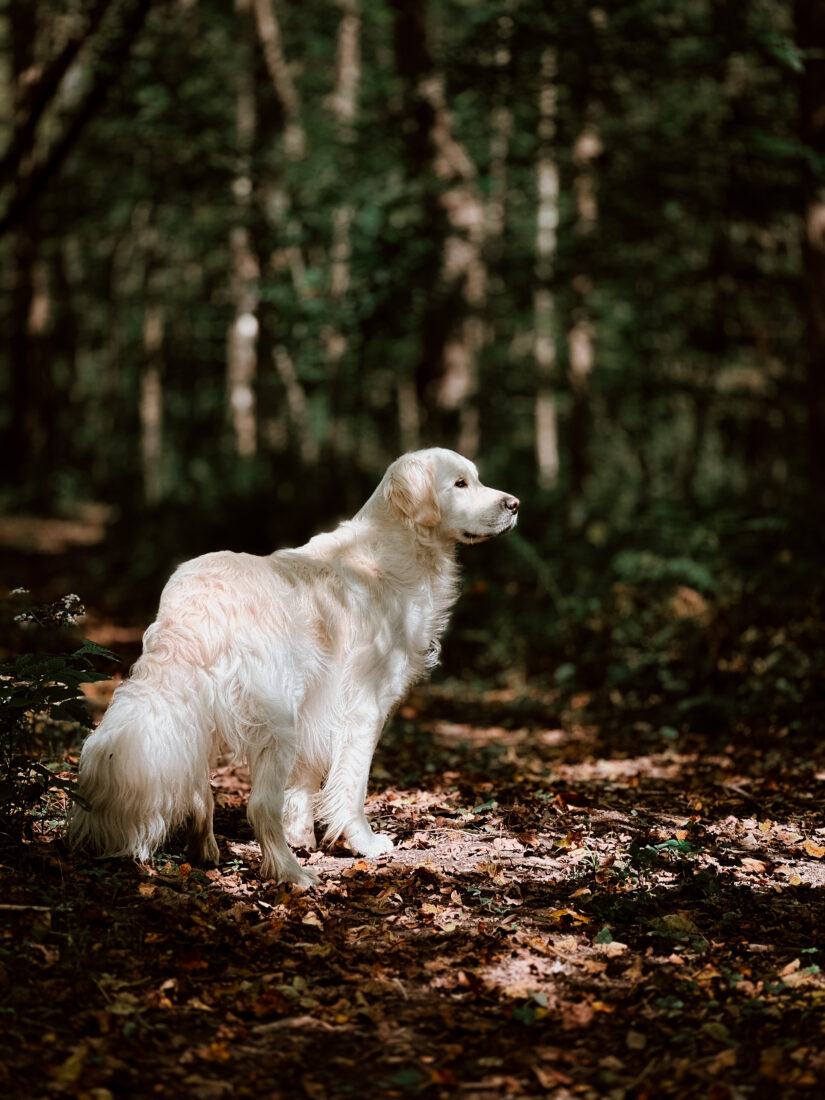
252 251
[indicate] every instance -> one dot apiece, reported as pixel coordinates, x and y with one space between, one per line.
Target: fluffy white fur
292 662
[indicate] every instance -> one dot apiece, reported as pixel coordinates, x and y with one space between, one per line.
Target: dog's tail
144 768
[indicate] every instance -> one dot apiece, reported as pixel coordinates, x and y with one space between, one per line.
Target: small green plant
234 865
40 696
643 858
485 901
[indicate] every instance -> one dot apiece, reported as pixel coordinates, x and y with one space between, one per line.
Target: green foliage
692 266
645 567
40 701
678 522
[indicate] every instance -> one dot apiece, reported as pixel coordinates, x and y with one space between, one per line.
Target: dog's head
439 490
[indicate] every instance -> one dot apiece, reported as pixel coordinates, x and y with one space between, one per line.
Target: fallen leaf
753 866
535 943
69 1071
577 1014
724 1060
550 1078
507 844
214 1052
678 922
612 949
593 966
716 1030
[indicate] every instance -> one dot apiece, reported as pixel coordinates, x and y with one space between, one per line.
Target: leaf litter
565 914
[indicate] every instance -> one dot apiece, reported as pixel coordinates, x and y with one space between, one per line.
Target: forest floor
579 904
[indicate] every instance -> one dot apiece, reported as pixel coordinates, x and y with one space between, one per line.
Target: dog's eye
461 483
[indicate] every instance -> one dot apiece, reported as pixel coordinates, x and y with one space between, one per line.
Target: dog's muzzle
510 505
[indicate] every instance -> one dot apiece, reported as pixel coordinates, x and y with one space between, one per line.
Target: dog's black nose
511 504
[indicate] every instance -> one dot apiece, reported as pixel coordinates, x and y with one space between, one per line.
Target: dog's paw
291 872
377 844
203 853
300 834
305 877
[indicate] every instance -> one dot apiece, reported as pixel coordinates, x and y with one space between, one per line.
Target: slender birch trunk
151 392
297 406
151 365
276 201
544 312
242 356
269 33
810 32
501 131
344 105
580 336
447 376
463 270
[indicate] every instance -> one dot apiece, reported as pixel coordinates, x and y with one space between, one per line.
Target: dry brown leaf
550 1078
612 949
593 966
724 1060
576 1014
753 866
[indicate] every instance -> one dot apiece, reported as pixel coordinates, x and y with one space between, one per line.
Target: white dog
292 662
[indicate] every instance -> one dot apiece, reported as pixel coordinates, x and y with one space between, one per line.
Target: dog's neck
400 537
387 550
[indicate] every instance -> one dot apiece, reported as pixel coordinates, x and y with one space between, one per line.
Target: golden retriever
292 662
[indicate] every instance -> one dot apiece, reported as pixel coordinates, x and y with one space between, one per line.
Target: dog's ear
410 491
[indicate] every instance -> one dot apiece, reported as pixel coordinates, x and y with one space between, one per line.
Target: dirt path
573 909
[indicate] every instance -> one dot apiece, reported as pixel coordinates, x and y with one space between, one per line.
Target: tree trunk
151 395
30 383
269 33
242 358
544 344
297 407
28 173
453 270
151 368
580 336
40 88
810 30
344 104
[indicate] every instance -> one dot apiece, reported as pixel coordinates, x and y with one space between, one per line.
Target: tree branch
269 33
109 69
41 93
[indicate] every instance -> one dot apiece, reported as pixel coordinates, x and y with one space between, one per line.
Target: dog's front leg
345 792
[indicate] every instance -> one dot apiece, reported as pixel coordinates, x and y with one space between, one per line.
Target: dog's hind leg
270 767
202 846
299 808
